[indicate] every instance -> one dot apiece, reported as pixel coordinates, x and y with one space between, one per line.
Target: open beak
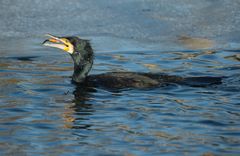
59 42
54 41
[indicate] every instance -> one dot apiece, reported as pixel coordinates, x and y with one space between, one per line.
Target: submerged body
123 80
82 55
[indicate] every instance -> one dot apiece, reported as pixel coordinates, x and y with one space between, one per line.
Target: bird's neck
81 67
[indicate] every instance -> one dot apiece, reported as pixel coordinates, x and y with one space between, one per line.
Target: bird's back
118 80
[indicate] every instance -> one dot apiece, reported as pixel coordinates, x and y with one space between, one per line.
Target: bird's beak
58 42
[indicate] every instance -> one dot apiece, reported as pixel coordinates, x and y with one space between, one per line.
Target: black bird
83 56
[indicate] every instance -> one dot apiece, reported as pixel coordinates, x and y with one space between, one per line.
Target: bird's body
121 80
83 56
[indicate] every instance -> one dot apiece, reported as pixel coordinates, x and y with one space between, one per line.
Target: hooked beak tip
45 42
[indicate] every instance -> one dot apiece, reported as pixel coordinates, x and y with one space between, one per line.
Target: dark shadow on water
23 58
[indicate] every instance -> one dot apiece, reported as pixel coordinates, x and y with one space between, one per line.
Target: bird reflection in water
76 114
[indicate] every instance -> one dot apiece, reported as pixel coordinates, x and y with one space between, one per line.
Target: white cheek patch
71 49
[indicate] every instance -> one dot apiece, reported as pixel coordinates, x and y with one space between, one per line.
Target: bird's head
64 43
79 49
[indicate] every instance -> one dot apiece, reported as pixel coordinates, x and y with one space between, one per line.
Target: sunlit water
42 112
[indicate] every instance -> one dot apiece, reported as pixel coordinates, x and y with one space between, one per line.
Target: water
43 113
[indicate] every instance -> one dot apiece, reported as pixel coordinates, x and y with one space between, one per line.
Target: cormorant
83 56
